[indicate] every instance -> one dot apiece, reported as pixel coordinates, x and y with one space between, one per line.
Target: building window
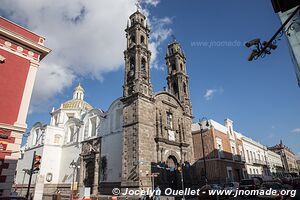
248 156
232 150
230 130
169 120
173 67
132 63
92 125
71 115
181 68
184 88
142 39
143 66
220 147
229 173
71 134
132 38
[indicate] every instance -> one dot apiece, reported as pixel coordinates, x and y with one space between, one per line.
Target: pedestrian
142 194
157 193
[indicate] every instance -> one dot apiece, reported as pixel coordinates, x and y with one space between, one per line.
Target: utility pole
30 175
26 171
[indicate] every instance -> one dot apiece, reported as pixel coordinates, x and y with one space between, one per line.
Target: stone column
81 172
96 174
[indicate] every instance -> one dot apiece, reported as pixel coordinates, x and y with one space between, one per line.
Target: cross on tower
173 38
138 4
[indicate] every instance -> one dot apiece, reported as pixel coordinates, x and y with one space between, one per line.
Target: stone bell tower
178 80
138 115
137 57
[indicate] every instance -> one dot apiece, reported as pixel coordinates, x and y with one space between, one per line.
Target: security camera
271 46
2 59
252 42
253 55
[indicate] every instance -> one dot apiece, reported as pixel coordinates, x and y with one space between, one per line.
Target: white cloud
152 2
159 34
87 39
210 93
296 130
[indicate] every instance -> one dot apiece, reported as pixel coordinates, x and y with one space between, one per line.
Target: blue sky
261 97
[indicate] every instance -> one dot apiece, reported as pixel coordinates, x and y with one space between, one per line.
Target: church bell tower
137 57
138 110
178 80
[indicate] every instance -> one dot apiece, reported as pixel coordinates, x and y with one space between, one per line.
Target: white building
74 134
274 163
293 36
256 161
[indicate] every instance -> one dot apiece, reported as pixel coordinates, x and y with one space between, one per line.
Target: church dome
76 104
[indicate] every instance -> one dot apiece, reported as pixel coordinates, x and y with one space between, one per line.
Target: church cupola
137 57
78 92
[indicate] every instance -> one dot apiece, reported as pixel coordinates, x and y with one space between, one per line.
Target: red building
20 54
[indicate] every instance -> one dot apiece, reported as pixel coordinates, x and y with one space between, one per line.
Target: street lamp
74 165
201 132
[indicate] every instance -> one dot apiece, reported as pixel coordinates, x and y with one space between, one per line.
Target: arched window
169 120
181 67
173 67
175 87
143 65
142 39
93 124
184 88
132 63
133 39
71 133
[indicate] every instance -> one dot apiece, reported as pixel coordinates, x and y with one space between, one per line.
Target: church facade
156 126
123 146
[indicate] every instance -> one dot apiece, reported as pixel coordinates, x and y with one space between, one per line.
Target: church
83 146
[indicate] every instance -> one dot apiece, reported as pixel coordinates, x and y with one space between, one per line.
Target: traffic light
284 5
37 163
179 167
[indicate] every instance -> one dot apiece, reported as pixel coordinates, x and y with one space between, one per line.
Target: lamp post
182 183
26 171
203 152
74 165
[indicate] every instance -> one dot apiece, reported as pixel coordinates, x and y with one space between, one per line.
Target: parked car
275 186
249 184
233 186
204 192
258 178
